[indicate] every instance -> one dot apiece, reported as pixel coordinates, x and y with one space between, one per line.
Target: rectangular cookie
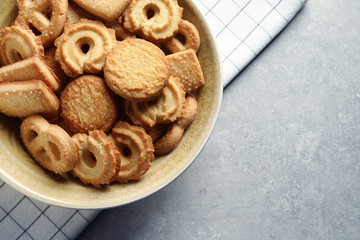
185 66
24 98
28 69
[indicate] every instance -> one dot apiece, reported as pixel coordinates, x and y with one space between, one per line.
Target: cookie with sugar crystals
28 69
108 10
185 65
46 17
24 98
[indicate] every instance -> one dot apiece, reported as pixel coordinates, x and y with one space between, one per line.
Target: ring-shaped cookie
175 131
165 108
99 160
136 148
83 47
18 43
46 16
155 19
49 144
187 37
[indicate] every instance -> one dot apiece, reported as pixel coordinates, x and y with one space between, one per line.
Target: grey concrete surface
283 160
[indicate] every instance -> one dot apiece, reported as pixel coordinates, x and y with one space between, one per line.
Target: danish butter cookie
136 148
187 37
88 104
165 108
76 13
49 144
175 131
136 69
46 16
154 19
120 32
28 69
83 47
99 160
185 65
108 10
24 98
50 61
18 43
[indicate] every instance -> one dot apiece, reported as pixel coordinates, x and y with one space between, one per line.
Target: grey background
283 160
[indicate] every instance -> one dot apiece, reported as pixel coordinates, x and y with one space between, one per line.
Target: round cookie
136 69
88 104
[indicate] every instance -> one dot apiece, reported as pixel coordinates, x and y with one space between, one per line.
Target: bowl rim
56 202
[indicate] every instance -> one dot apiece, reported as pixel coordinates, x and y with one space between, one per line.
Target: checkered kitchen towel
242 28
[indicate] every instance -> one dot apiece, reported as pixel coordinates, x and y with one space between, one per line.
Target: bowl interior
19 170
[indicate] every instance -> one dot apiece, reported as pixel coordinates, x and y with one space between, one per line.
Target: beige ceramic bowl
21 172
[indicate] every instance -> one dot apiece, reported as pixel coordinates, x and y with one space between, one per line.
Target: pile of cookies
101 87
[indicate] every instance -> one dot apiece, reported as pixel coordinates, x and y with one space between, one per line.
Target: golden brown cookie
88 104
99 160
172 136
185 65
49 144
83 47
46 17
154 19
28 69
24 98
18 43
108 10
50 61
76 13
136 69
188 37
136 148
165 108
120 32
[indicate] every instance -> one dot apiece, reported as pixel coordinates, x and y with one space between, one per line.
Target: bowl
20 171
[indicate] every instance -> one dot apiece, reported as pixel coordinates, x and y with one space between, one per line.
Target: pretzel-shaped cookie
46 16
187 37
83 47
136 148
99 160
49 144
155 19
164 109
18 43
174 133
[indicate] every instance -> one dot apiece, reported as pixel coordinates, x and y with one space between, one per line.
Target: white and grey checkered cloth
242 28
